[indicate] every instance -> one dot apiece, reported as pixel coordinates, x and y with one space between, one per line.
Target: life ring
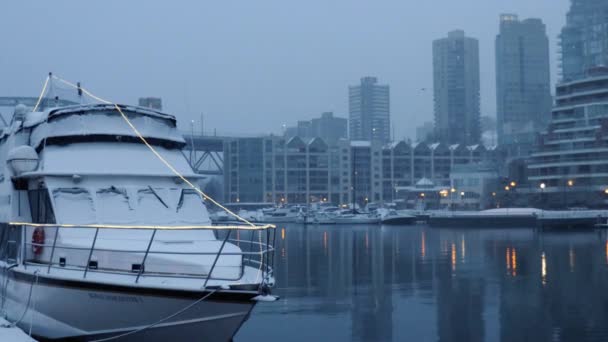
37 241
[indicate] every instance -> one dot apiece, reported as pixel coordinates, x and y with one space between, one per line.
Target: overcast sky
251 66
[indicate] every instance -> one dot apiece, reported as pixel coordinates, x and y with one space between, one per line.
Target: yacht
100 240
349 216
288 214
394 217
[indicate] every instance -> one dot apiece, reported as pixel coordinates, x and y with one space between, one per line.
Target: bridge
205 153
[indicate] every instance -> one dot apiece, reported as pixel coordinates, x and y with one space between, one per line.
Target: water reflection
425 284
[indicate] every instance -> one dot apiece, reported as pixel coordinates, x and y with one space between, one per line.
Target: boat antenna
79 92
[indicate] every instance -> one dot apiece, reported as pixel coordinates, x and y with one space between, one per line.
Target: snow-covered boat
355 217
393 217
96 239
281 215
318 217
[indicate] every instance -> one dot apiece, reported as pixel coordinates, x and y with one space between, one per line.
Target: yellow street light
513 184
570 182
507 188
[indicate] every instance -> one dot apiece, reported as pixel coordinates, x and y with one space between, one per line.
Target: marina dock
13 334
521 217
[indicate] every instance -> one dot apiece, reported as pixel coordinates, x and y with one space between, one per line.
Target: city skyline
195 67
456 89
523 87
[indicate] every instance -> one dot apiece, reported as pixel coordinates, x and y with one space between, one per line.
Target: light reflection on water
426 284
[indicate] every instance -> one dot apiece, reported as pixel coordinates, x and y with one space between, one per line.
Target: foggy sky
252 66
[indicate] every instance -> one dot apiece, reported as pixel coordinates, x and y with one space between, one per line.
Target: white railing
255 246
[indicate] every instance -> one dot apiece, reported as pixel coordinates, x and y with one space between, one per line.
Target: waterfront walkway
13 334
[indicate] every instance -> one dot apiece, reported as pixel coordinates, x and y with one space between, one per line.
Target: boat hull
357 220
83 311
399 220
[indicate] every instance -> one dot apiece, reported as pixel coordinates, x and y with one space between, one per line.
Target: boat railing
255 247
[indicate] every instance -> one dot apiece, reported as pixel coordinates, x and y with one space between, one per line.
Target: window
40 206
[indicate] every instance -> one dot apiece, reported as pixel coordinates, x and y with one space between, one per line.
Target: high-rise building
330 128
151 102
571 161
327 127
584 39
523 90
456 89
425 132
369 106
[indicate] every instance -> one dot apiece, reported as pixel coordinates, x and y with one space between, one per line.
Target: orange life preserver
37 240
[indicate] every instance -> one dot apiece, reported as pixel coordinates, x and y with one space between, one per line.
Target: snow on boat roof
36 118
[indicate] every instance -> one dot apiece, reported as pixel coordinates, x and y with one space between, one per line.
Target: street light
542 194
507 188
513 184
570 182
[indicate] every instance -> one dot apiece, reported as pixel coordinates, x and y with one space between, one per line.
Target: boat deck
250 277
13 334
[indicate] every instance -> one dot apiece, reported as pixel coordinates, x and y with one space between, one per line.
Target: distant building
425 132
523 90
475 186
151 102
366 171
330 128
296 170
584 39
280 170
456 89
369 107
327 127
572 158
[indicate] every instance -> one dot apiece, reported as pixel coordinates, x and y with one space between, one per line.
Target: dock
522 217
13 334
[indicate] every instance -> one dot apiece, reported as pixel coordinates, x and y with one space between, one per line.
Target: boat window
74 205
157 196
40 206
149 206
189 206
113 204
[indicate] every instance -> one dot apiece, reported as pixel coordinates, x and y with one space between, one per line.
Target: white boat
355 217
394 217
70 174
281 215
318 217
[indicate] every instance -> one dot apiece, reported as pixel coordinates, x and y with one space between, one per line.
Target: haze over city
251 67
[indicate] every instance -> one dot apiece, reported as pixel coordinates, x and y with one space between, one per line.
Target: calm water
427 284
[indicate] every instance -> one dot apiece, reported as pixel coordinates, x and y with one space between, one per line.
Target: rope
46 83
168 165
160 320
153 150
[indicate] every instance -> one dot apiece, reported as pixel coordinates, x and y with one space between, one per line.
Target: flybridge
100 122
